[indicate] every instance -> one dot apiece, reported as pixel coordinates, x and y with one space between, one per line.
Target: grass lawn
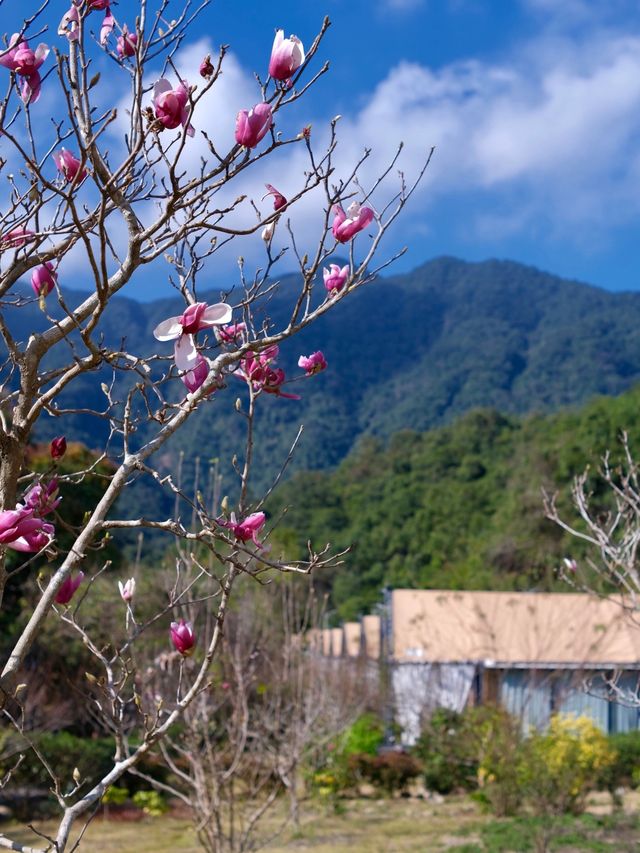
384 826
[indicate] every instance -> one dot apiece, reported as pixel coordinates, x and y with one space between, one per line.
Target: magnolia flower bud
267 232
182 637
58 447
127 590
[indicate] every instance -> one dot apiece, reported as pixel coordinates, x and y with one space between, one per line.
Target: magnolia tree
114 191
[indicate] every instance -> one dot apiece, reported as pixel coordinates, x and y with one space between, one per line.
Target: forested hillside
456 507
410 351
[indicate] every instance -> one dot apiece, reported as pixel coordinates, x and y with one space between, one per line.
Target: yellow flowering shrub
562 764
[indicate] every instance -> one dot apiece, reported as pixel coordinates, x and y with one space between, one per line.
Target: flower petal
217 314
168 330
185 353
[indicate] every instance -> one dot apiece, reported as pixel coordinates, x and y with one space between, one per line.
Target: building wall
419 688
536 695
533 695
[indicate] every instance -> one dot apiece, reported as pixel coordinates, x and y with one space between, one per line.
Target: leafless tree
607 507
271 704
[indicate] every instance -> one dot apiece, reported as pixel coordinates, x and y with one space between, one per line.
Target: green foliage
333 773
499 744
593 833
151 802
115 796
464 335
93 757
548 773
458 507
390 771
624 769
365 736
448 749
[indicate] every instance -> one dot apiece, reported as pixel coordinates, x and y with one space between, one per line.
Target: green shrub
365 736
151 802
448 750
331 773
115 796
499 740
391 771
64 752
624 769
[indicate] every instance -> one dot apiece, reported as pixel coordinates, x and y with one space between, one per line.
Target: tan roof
337 642
510 628
352 639
315 640
326 641
371 632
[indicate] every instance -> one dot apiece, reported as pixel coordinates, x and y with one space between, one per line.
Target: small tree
270 705
607 505
119 189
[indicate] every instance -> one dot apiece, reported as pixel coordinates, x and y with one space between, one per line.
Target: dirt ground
381 826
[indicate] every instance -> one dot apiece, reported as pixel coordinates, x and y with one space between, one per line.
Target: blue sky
533 106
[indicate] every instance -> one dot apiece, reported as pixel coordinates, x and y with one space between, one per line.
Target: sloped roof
352 639
444 626
371 632
326 641
337 642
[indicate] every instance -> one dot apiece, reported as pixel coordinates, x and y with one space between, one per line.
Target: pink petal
162 86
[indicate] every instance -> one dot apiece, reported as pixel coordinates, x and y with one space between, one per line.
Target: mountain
407 351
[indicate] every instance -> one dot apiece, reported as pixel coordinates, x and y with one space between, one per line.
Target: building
534 653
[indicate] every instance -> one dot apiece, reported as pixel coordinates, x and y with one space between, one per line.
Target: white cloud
552 130
402 5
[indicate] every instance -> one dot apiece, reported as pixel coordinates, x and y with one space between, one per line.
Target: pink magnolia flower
287 55
182 329
127 43
172 105
256 370
70 166
108 24
279 201
247 529
182 637
206 68
335 278
346 225
128 589
16 239
313 363
69 25
230 334
58 447
195 378
18 527
43 279
43 499
252 125
25 62
68 588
